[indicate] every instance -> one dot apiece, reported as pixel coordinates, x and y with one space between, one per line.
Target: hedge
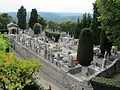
34 86
51 34
101 83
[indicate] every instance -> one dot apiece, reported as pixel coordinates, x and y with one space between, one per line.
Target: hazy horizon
44 11
57 6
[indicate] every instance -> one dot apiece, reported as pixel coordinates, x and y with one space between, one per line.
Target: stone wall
109 71
64 78
60 74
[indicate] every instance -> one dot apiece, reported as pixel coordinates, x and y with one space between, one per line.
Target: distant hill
58 17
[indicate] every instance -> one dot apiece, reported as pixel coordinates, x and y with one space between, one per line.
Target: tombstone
45 52
51 54
104 64
71 64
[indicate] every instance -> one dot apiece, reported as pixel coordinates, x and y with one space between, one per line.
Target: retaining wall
66 79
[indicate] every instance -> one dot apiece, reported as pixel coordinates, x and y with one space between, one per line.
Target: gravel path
45 80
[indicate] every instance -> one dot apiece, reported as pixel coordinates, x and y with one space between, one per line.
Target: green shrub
4 46
101 83
33 87
15 73
37 28
51 34
85 47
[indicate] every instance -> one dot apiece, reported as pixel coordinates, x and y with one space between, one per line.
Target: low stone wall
111 70
66 79
59 74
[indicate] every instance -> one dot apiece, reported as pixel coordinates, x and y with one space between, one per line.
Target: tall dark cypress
33 18
21 15
95 25
85 47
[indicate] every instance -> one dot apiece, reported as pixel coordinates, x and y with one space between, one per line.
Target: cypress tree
85 47
102 43
33 18
95 25
21 15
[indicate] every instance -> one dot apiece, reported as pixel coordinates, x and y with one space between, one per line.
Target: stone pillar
29 43
50 54
45 53
104 63
71 62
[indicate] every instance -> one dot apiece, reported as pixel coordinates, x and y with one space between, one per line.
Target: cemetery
60 45
61 58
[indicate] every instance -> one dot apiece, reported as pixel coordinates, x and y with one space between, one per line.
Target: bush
37 28
51 34
4 46
100 83
33 87
85 47
16 73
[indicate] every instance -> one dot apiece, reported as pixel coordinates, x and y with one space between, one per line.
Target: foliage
72 28
103 42
84 23
52 25
4 20
3 36
33 18
85 47
42 21
33 87
101 83
86 20
78 28
110 18
4 46
21 15
51 35
54 16
37 28
15 74
68 27
95 24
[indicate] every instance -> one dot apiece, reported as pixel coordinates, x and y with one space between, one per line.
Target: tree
84 23
102 43
4 46
95 25
78 27
37 28
21 15
89 19
52 25
15 74
68 27
33 18
4 20
86 20
51 34
110 18
85 47
42 21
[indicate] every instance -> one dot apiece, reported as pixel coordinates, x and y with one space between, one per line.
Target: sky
75 6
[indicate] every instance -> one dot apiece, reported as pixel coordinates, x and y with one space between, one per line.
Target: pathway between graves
46 80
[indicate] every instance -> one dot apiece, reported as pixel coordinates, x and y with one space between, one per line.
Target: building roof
12 24
3 30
